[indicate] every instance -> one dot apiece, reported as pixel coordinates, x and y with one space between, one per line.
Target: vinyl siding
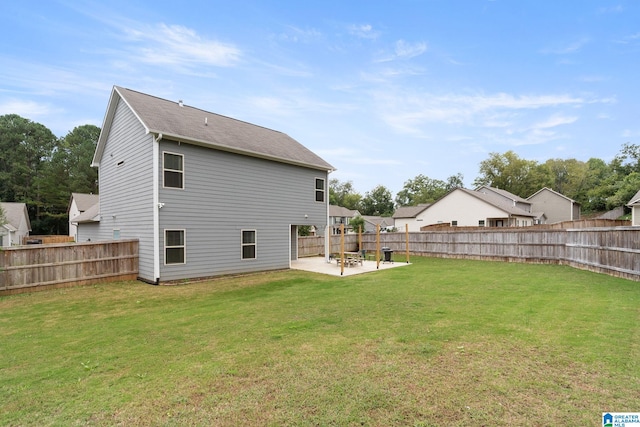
126 188
556 208
461 207
225 193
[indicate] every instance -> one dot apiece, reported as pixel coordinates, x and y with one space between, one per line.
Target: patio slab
318 264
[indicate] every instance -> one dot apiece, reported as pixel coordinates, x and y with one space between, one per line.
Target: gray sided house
557 207
206 195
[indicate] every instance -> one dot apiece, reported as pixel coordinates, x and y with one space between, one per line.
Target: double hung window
173 170
249 244
174 247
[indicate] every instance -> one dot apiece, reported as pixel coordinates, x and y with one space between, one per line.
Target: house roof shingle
84 201
635 200
187 124
410 211
13 213
340 211
90 215
499 203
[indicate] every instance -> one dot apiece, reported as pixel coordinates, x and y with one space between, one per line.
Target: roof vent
180 103
205 121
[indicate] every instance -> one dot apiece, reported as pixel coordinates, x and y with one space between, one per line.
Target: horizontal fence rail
58 265
611 250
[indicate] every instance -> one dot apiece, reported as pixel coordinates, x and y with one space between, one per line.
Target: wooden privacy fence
44 266
47 240
314 245
611 250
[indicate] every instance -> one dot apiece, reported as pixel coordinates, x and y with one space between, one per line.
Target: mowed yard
439 342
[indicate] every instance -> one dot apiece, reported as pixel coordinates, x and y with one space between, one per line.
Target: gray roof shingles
196 126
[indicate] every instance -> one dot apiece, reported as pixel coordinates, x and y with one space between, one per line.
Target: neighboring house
90 220
556 207
78 204
371 223
339 215
411 216
634 204
462 207
204 194
17 224
503 196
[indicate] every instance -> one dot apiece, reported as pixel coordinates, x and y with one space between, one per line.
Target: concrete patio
318 264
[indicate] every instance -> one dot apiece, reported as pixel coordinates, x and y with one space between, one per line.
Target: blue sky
382 90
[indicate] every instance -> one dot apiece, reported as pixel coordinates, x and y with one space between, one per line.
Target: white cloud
363 31
180 46
553 121
403 50
409 50
499 118
299 35
567 47
632 38
25 108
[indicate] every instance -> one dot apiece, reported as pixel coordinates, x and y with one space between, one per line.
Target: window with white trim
173 170
249 246
174 247
320 189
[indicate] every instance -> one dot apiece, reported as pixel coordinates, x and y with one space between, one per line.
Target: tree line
42 170
597 185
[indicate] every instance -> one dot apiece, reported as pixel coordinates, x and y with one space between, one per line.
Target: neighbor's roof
553 192
635 200
498 202
90 215
14 212
176 121
410 211
378 220
341 211
84 201
503 193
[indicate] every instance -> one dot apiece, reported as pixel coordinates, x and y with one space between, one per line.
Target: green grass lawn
440 342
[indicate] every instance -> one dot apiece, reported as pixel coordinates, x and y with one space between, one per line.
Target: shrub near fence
45 266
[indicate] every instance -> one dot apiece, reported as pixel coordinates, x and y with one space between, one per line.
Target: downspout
327 234
156 209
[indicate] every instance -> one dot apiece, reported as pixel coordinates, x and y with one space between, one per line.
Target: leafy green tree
77 148
356 223
304 230
628 160
597 186
511 173
68 170
343 194
423 189
25 147
378 202
624 190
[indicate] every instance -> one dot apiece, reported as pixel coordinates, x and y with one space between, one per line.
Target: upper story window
173 170
249 244
320 190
